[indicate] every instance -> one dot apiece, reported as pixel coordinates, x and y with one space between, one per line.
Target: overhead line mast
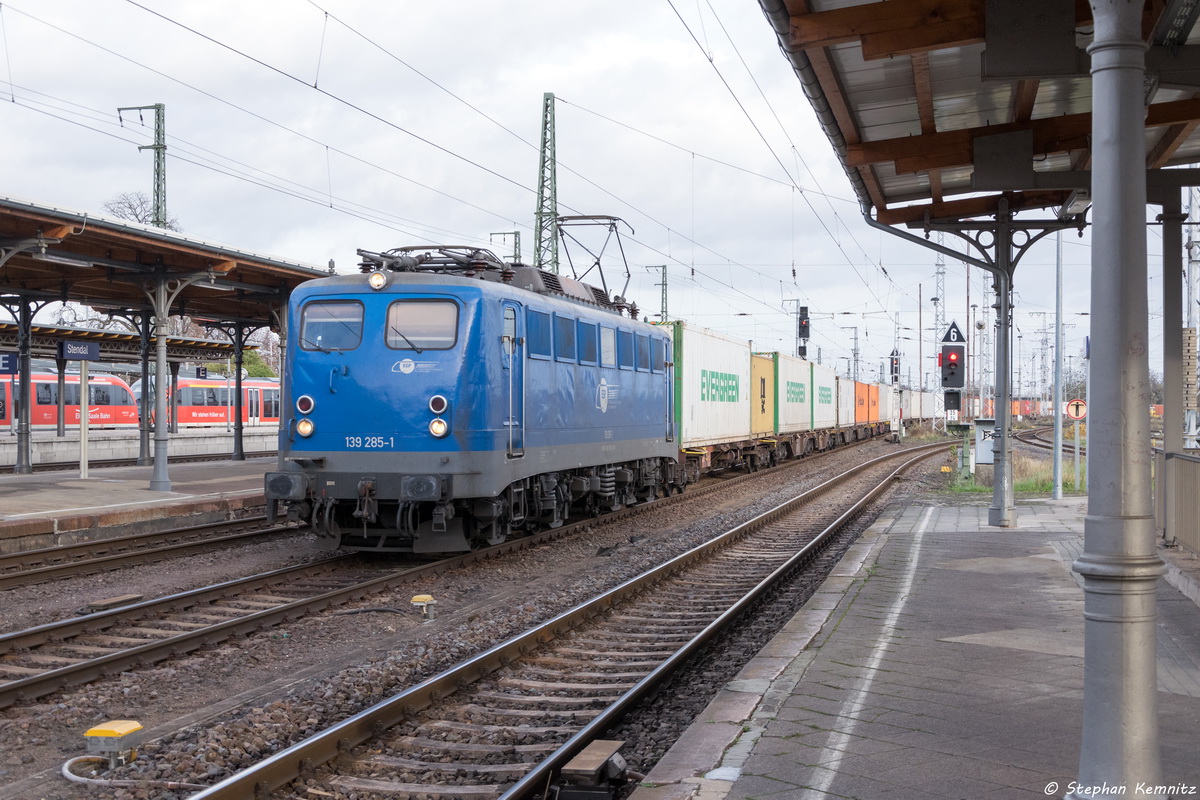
545 218
159 209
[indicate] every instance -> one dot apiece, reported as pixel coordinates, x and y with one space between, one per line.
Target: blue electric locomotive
443 399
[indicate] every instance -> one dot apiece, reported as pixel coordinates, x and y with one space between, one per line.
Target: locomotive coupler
441 513
368 507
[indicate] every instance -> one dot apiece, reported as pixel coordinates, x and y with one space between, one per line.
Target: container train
113 403
443 400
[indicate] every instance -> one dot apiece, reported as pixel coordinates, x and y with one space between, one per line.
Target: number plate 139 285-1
369 442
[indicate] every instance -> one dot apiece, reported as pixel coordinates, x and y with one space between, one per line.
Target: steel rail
157 650
131 549
301 758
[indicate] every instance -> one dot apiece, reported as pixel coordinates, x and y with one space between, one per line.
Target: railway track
502 723
41 660
1036 437
100 555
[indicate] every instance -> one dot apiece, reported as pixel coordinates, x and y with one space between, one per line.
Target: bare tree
136 207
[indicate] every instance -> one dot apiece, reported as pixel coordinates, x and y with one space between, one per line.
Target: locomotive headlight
438 427
377 280
305 404
305 427
438 404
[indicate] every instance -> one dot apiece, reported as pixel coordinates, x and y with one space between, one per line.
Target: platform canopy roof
938 108
55 254
114 345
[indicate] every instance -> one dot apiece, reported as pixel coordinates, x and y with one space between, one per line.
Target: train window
99 396
422 325
564 338
44 395
538 325
625 349
331 325
608 347
70 394
658 351
270 403
643 353
587 343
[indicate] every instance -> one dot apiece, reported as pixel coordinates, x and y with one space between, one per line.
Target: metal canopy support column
162 292
144 406
1001 245
23 311
1172 220
1119 565
24 316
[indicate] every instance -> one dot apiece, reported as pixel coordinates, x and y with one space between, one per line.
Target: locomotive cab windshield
422 325
330 325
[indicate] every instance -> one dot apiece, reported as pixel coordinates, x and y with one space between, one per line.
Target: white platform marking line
838 739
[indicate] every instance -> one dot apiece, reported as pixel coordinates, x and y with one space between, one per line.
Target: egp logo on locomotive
606 393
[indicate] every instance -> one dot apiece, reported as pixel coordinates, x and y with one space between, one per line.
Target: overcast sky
305 130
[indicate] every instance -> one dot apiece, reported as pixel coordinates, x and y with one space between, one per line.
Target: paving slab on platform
944 659
45 509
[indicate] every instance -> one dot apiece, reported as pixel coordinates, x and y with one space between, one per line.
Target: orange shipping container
862 403
872 402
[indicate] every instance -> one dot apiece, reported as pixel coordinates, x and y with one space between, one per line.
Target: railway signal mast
953 361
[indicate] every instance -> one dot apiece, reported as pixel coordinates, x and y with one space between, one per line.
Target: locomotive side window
422 325
625 349
564 338
331 325
643 353
538 326
608 347
587 343
510 331
658 350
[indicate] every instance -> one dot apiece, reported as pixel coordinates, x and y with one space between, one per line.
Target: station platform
45 509
942 659
46 446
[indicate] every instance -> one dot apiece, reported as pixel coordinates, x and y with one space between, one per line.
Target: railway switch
425 603
117 740
596 773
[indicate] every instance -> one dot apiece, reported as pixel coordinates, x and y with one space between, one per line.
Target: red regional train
206 401
110 401
113 403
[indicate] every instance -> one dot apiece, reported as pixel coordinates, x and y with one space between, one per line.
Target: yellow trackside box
114 736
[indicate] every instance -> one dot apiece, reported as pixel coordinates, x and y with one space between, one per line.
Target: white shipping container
824 383
928 405
906 403
794 403
712 382
889 402
845 402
